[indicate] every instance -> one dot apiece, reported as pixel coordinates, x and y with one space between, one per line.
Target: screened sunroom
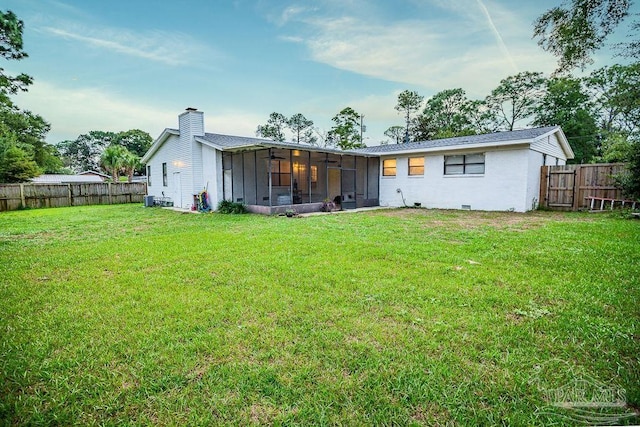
272 180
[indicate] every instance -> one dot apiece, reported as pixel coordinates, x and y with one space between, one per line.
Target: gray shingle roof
516 135
65 179
231 142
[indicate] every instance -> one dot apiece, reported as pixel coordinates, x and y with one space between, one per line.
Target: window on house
165 180
389 167
416 165
280 173
464 164
149 175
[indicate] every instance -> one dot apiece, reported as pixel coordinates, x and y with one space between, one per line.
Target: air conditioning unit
148 201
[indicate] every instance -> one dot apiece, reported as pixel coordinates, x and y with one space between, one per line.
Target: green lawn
124 314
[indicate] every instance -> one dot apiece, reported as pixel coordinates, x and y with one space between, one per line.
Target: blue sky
118 65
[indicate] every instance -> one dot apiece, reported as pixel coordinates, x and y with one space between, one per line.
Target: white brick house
499 171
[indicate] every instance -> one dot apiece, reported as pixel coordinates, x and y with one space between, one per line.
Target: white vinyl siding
177 159
551 146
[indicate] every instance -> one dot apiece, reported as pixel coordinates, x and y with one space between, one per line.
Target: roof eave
459 147
158 143
562 138
209 143
275 144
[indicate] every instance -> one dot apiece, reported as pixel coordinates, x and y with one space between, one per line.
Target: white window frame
464 164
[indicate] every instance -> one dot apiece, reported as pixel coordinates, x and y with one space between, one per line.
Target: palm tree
130 162
112 160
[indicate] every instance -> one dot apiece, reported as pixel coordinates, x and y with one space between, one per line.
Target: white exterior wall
176 156
551 146
198 167
211 174
502 187
191 165
536 161
191 124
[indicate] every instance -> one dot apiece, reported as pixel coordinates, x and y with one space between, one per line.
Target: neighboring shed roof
65 179
104 175
461 141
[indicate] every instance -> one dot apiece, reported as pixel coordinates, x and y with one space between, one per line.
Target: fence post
109 187
69 196
22 199
544 182
577 181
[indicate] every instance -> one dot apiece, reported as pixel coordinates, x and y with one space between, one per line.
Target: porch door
334 186
348 189
177 190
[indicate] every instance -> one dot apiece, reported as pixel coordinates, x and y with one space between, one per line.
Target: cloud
471 49
232 122
292 12
75 111
157 46
499 39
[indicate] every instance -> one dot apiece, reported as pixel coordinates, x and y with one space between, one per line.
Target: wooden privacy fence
15 196
567 187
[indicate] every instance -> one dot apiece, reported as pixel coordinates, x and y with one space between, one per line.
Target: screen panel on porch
281 184
318 177
238 179
227 182
301 176
249 175
262 177
361 181
373 181
334 184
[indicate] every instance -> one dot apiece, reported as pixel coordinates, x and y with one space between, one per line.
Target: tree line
598 113
345 134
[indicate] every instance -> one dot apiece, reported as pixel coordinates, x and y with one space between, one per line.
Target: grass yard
130 315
